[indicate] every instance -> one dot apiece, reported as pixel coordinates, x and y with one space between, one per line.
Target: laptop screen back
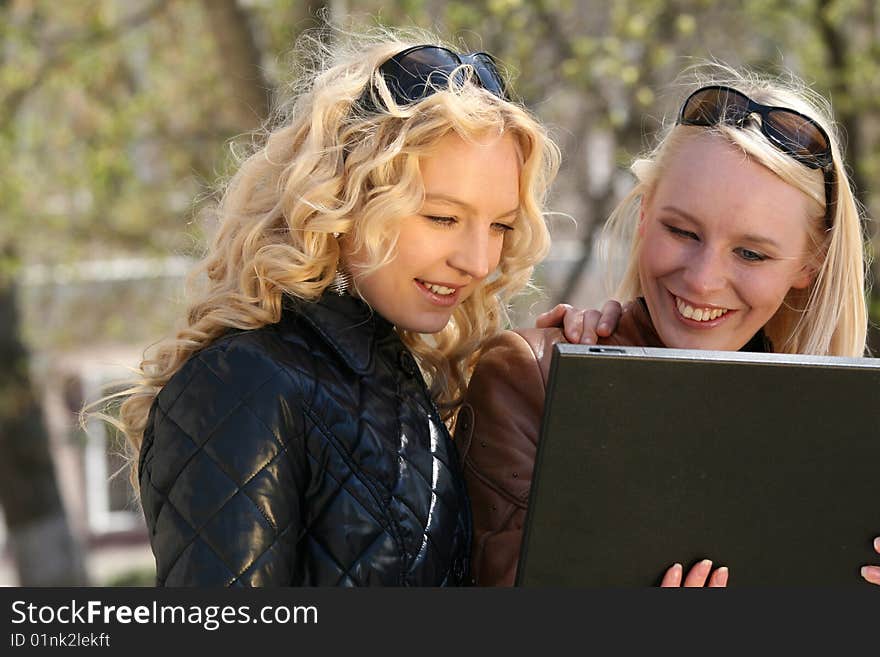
766 463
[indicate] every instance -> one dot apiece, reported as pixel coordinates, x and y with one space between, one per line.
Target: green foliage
116 118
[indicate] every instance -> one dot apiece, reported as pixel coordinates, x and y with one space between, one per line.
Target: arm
221 473
496 434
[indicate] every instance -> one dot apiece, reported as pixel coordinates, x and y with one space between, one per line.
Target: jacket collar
346 323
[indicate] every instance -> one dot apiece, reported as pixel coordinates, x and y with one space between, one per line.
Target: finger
553 317
573 326
611 312
548 319
871 574
877 545
697 575
589 322
672 578
719 578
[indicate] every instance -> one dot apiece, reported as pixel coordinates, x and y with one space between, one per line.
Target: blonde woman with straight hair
294 432
741 233
827 315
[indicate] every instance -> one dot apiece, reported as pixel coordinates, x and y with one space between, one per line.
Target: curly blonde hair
830 316
329 166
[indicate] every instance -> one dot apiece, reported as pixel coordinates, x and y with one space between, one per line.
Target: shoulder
237 365
233 399
516 358
540 343
223 457
524 341
503 353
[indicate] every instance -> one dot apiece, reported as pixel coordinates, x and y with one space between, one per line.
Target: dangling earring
340 283
342 279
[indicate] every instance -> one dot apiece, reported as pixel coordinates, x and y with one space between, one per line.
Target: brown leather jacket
497 434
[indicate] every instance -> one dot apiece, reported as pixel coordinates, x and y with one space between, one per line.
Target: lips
695 315
440 294
436 288
699 313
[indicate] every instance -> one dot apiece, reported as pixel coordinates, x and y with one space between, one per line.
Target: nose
705 273
473 254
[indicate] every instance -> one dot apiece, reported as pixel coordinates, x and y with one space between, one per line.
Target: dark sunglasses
417 72
793 133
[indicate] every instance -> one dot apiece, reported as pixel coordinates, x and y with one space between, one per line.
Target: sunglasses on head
793 133
417 72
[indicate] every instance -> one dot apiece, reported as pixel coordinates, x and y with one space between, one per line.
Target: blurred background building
117 118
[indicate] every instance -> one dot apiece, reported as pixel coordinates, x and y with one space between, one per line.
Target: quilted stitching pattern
270 460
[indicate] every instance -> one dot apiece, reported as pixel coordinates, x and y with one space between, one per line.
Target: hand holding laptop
696 577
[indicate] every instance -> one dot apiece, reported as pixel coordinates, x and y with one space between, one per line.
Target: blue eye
750 256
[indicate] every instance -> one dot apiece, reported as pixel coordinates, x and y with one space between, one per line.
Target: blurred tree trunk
835 39
45 551
250 90
42 544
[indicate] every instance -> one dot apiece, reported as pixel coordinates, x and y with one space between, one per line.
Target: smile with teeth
440 290
699 314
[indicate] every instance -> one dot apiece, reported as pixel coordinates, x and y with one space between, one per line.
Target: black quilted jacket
304 453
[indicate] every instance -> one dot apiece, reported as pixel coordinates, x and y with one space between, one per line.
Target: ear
805 277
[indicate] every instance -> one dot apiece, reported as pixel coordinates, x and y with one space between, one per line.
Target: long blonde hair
329 166
830 316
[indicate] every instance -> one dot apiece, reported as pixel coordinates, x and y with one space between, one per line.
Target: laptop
766 463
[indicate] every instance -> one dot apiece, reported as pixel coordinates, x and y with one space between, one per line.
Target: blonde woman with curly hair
743 234
294 433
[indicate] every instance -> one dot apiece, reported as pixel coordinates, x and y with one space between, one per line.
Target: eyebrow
754 239
462 204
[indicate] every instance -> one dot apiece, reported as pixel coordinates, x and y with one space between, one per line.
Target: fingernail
603 326
587 339
871 573
706 563
877 544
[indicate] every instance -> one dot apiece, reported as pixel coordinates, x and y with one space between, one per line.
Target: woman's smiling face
723 240
455 241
